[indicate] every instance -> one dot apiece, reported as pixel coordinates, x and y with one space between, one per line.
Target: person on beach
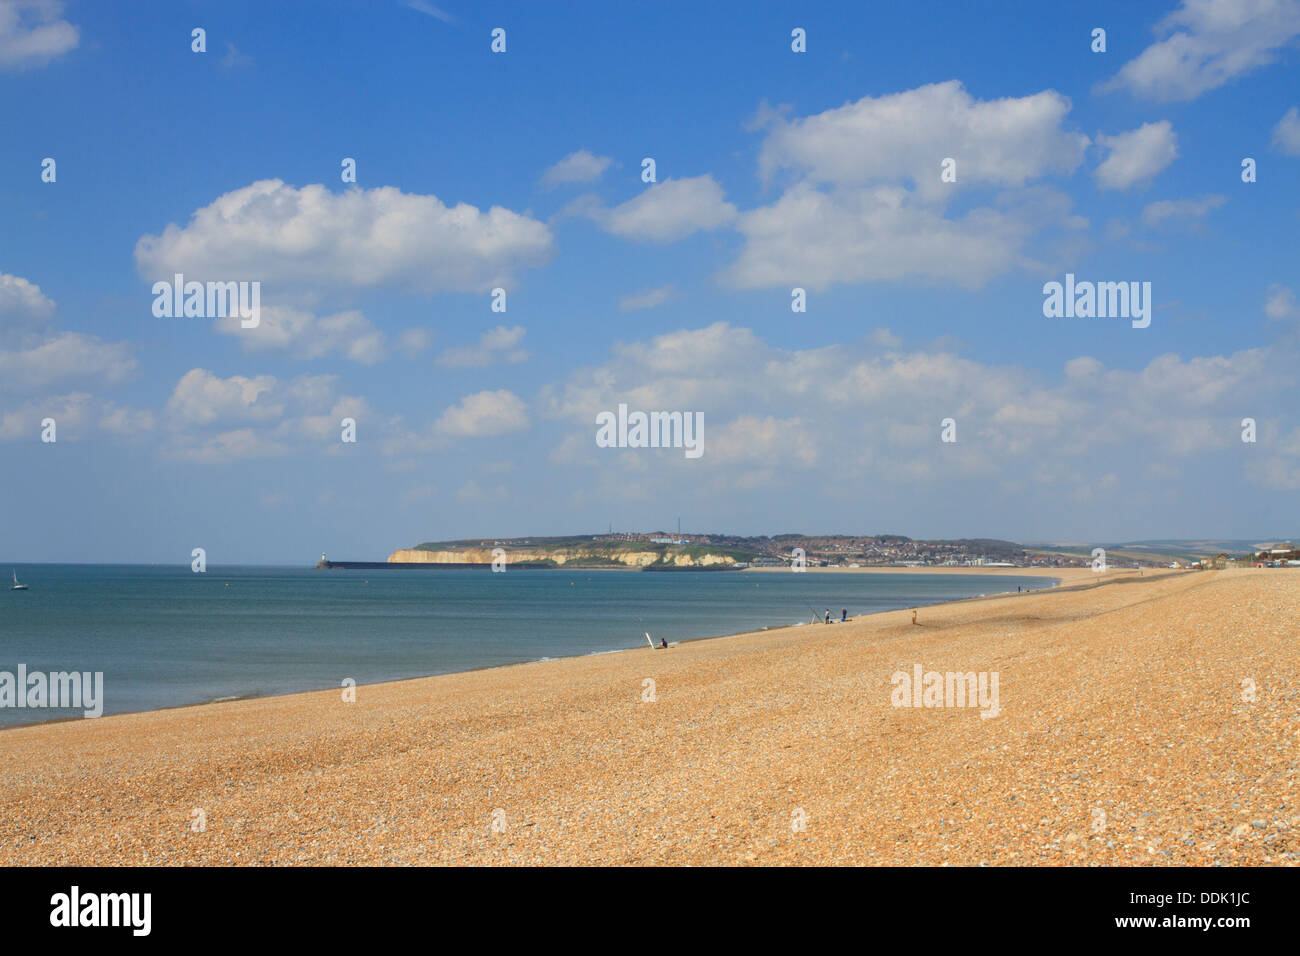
844 615
913 615
827 619
663 642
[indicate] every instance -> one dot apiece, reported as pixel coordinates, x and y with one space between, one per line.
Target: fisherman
844 615
827 619
663 642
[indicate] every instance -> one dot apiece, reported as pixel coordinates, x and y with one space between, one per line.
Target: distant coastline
662 550
989 570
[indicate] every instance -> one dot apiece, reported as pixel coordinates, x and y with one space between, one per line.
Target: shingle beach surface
1126 736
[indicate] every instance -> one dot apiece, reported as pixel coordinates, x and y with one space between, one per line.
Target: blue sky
522 170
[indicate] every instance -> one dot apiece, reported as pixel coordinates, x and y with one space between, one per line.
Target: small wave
224 700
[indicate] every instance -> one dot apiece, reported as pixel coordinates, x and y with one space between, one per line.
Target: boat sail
17 586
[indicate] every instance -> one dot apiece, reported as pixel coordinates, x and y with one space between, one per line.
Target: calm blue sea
165 636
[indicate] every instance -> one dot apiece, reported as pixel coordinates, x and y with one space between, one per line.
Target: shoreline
1122 695
975 570
253 695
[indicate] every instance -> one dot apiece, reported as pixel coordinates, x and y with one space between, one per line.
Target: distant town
858 550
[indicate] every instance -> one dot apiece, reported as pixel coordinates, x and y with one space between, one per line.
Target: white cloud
1286 134
69 355
328 427
32 33
428 8
71 413
1202 380
348 334
904 137
500 344
75 415
20 297
309 391
24 310
36 356
126 421
717 347
1173 209
308 237
767 440
670 210
201 398
580 167
1136 156
868 203
484 413
771 411
1207 43
813 239
414 341
1280 303
212 419
645 300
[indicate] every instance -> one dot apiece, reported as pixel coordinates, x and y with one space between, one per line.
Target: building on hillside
1279 553
1224 560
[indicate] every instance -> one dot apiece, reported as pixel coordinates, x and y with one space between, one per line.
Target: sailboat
17 586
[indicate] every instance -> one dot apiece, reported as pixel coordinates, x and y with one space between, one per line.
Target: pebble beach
1143 719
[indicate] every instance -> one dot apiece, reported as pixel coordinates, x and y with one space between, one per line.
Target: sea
165 636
